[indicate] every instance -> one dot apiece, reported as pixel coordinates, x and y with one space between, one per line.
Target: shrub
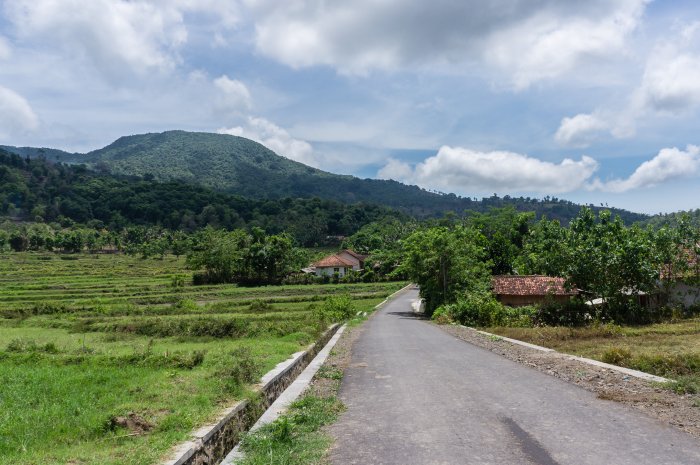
238 370
442 315
617 356
334 309
476 309
574 312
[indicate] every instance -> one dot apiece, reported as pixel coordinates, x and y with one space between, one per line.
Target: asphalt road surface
416 395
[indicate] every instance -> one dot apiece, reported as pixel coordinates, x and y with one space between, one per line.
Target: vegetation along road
416 395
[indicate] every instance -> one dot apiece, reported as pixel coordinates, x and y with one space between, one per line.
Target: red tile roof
355 254
529 285
334 261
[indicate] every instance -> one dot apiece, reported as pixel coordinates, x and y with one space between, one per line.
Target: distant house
341 263
682 287
516 290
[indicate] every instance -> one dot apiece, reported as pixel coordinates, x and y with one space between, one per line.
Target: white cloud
580 130
396 170
671 81
118 37
16 115
275 138
529 40
5 49
669 164
463 170
554 41
669 86
236 95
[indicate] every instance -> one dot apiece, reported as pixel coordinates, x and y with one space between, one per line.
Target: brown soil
681 411
132 422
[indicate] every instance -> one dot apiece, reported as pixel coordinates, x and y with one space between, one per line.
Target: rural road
416 395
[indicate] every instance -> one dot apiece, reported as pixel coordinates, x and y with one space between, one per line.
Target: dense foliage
38 190
245 258
623 270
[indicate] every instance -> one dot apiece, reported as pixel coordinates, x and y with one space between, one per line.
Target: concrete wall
330 271
212 443
683 294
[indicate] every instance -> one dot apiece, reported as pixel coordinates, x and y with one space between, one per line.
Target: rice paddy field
110 359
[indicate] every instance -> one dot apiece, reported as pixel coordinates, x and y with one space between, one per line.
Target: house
341 263
354 257
516 290
641 298
682 287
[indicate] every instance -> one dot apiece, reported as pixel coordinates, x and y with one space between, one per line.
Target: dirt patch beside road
681 411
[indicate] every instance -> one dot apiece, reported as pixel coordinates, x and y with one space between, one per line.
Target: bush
477 309
238 370
482 309
334 309
442 315
617 356
574 312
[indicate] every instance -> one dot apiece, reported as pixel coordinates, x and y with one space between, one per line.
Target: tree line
453 259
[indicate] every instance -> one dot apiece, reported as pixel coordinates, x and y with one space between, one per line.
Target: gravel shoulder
680 411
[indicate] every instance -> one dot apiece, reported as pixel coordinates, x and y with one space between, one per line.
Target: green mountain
54 155
243 167
38 190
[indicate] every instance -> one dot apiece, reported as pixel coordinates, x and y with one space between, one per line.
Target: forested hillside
39 190
236 165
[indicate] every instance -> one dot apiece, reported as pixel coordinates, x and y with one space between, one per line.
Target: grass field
110 359
667 349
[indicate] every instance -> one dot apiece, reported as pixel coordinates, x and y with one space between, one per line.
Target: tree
612 262
247 258
446 263
545 250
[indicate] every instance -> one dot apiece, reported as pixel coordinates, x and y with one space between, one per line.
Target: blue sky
596 102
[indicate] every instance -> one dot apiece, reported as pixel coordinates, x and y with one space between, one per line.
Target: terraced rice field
109 359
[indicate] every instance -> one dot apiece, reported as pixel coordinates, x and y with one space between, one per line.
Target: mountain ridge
240 166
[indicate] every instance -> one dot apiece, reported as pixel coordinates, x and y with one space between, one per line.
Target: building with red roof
341 263
517 290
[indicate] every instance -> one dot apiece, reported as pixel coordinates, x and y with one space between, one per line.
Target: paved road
417 395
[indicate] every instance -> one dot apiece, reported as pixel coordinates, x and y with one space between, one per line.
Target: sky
595 102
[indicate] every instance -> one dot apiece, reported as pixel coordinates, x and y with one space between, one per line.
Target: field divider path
619 369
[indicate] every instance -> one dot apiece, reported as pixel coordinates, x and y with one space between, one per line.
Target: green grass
87 340
670 350
294 438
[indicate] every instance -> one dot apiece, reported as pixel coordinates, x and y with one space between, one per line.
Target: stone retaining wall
212 443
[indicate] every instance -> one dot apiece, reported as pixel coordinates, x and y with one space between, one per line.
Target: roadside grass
89 343
670 350
295 437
